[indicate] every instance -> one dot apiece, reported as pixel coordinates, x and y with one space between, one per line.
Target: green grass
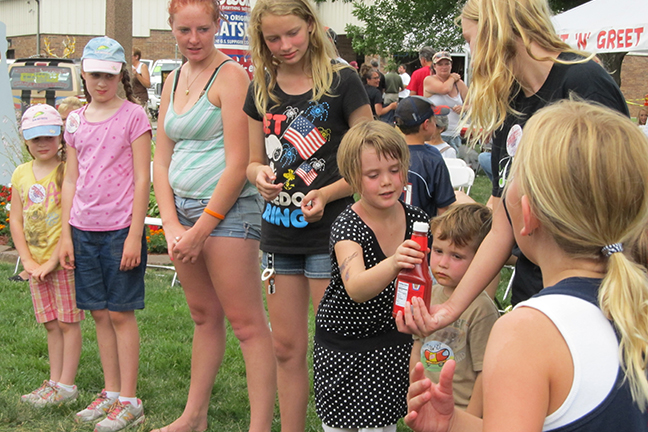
165 362
166 331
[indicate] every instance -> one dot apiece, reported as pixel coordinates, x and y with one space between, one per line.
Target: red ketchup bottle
416 282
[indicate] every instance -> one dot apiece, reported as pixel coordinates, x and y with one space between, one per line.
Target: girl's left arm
229 93
132 255
315 200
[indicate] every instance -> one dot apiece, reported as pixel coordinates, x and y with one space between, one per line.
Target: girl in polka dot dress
105 198
360 359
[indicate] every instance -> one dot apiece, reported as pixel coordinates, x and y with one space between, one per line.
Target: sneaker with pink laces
56 395
121 416
36 394
97 409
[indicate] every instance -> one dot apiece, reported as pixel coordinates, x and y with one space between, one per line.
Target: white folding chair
455 162
461 177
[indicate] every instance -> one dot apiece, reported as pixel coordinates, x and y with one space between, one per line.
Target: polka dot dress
360 360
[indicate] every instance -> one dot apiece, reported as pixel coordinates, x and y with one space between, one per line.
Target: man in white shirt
402 71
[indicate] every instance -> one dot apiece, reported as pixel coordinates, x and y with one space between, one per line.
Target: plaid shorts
55 298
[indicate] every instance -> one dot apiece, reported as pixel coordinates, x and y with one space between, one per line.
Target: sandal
17 278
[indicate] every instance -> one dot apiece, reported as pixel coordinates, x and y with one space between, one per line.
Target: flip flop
17 278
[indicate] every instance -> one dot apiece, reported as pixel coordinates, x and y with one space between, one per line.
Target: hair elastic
214 214
611 249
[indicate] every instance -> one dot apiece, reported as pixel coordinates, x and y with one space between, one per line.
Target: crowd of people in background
322 169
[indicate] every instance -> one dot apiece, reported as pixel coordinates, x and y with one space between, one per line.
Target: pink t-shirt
105 187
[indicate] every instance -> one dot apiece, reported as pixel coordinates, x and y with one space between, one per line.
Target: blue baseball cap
103 54
414 110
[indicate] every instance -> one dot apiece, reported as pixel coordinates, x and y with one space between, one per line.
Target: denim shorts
243 220
99 282
316 266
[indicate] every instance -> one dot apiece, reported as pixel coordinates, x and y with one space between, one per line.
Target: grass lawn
166 333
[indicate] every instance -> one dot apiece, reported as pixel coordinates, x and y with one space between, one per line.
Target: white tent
605 26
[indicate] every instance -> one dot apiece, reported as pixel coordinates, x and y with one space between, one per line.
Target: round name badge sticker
73 122
37 193
435 354
513 139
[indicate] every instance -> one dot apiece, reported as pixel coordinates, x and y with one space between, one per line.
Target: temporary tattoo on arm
343 268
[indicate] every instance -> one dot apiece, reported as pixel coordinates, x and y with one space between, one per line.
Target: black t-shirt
587 81
375 97
302 137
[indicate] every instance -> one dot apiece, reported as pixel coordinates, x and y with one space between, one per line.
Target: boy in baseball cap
429 185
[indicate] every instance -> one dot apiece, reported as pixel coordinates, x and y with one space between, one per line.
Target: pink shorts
55 298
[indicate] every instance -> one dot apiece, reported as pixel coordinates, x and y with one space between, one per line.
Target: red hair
211 6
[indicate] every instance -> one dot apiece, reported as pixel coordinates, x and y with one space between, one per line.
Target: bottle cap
421 227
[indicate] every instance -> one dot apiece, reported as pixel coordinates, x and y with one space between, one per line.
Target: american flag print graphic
306 172
304 136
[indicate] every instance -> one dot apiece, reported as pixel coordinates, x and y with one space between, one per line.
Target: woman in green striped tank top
211 214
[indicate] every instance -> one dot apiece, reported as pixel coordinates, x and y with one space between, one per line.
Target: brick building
85 19
634 81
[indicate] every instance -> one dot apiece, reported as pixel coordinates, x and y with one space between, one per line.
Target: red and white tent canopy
604 26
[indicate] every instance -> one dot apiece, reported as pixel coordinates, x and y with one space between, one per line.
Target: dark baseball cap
414 110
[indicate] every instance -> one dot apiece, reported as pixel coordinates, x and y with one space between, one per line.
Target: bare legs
288 309
215 289
64 349
118 339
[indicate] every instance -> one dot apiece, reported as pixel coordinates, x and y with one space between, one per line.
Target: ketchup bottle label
402 288
416 282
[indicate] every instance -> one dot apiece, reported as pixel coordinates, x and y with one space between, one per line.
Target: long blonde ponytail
584 169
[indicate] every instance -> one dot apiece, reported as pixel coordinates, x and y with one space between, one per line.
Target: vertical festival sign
232 38
10 142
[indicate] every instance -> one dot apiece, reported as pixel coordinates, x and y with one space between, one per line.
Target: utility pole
119 25
38 52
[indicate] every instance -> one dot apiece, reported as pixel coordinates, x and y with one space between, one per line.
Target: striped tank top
198 159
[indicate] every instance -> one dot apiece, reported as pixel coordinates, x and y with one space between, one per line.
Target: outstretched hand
417 320
430 406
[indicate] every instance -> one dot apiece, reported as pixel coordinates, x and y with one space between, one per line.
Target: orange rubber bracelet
214 214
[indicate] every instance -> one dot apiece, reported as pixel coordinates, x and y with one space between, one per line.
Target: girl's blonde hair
500 25
641 110
318 56
70 103
375 134
584 169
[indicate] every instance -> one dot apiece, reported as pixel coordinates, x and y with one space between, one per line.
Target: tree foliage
562 5
393 26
